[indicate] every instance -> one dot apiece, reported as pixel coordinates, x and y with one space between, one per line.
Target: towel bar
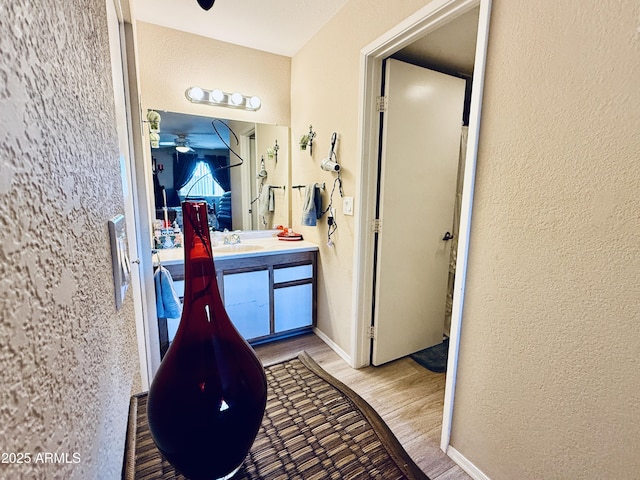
321 185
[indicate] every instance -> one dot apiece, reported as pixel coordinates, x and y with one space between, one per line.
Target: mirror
241 169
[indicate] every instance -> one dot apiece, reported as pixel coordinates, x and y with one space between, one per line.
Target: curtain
157 191
183 166
221 175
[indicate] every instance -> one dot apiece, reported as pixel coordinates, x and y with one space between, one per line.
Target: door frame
123 41
425 20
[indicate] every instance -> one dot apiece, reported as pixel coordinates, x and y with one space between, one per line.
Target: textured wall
548 380
68 360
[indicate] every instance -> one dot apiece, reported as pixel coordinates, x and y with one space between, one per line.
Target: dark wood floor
407 396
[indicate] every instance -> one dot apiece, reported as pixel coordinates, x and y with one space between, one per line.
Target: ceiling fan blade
206 4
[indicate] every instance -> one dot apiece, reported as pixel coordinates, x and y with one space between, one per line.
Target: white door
418 173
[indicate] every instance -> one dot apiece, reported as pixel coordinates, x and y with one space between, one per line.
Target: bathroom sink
237 248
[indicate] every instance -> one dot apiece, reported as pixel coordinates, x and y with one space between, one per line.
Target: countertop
251 247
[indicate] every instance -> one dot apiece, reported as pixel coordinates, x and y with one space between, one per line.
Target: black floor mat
433 358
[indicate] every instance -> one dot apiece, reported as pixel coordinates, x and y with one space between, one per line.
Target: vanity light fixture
223 99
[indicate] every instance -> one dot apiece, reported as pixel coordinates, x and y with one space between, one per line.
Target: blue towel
312 206
167 301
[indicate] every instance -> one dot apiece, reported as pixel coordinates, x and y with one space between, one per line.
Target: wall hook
310 136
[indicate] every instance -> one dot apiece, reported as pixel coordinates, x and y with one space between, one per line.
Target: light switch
120 257
347 205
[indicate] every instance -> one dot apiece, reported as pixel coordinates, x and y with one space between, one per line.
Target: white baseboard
473 471
332 345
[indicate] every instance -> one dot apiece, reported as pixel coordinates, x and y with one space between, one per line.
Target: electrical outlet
347 205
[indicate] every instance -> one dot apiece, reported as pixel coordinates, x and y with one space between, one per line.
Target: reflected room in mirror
224 162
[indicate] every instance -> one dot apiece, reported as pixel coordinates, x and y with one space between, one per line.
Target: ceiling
277 26
450 49
200 132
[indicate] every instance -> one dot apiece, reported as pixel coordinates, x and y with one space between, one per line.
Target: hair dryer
328 163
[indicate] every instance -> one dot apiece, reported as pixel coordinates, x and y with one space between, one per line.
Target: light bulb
195 94
217 95
254 102
236 99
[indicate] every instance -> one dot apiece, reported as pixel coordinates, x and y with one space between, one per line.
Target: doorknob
447 236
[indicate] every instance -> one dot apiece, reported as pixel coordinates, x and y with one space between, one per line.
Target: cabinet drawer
290 274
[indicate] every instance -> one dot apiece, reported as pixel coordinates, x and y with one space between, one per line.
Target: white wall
171 61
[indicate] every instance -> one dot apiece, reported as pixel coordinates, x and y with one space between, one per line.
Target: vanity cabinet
266 296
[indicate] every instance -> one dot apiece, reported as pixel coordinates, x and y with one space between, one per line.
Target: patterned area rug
314 428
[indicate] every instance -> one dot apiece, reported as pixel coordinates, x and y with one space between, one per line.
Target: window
201 183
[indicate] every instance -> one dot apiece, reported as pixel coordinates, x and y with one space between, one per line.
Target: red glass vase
206 402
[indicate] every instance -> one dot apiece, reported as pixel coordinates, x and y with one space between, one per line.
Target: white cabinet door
293 307
246 299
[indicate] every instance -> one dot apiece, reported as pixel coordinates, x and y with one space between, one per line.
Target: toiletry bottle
177 240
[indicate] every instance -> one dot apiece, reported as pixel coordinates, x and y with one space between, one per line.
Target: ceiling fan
180 143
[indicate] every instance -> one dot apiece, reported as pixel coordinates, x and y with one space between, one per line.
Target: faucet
230 238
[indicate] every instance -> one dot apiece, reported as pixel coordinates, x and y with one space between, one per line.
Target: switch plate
347 205
120 258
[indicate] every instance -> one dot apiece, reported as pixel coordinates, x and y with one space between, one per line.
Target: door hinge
382 103
376 225
372 332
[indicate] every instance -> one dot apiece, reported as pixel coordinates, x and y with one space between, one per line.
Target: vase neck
200 272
